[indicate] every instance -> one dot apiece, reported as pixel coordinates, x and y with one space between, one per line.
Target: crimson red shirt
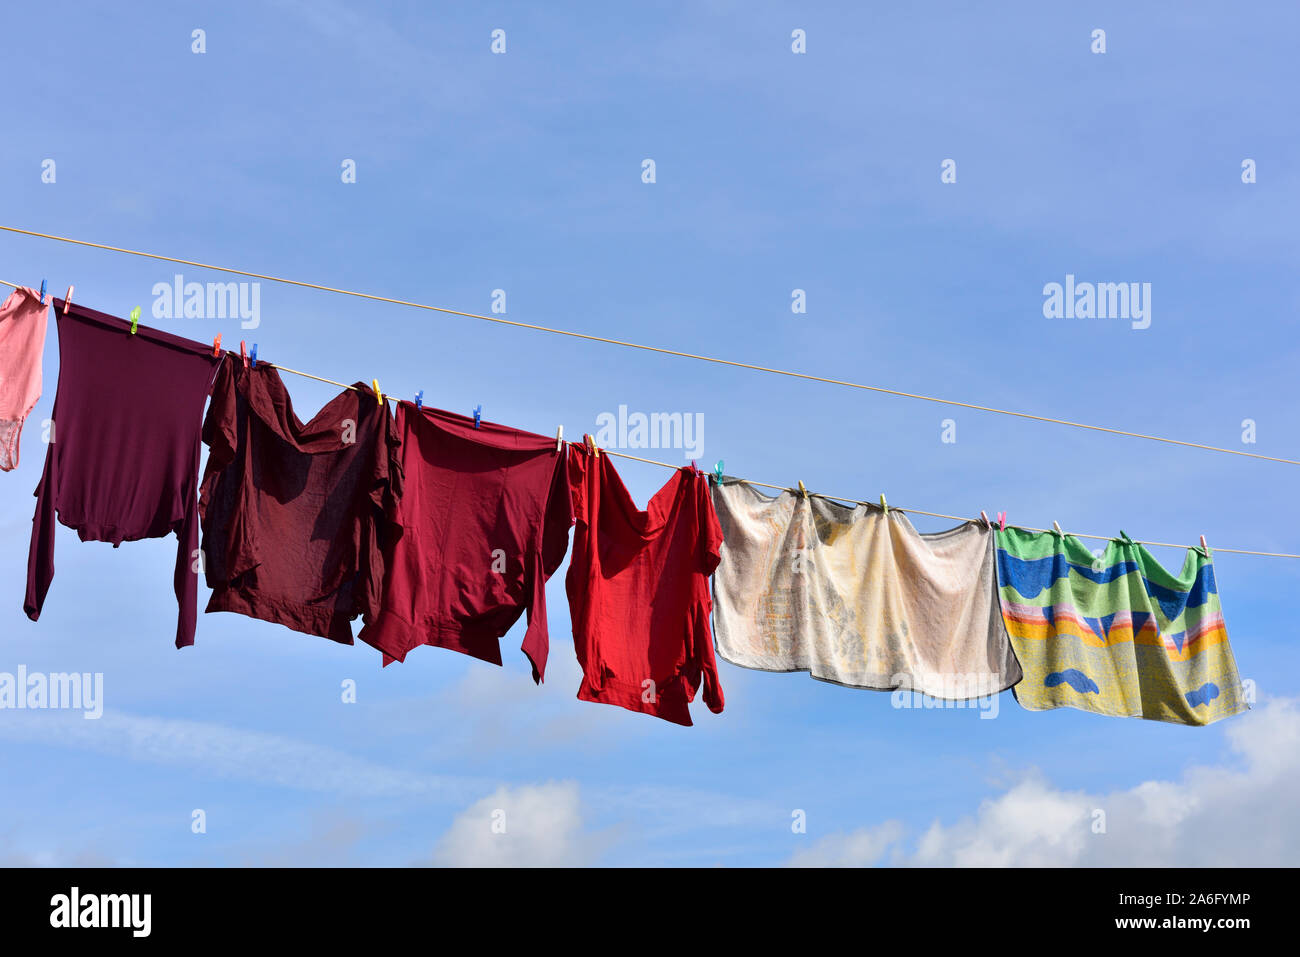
292 514
484 520
638 587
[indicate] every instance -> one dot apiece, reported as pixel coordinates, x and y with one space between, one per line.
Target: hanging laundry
22 342
292 514
123 458
858 596
484 522
638 587
1116 634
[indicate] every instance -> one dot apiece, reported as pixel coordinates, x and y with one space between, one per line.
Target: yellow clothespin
374 384
802 490
591 445
883 504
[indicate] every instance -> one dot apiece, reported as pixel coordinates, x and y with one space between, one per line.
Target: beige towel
858 596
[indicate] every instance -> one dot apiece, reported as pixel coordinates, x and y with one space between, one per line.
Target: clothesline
647 348
783 488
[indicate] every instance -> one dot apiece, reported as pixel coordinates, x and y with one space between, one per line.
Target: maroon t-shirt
292 514
123 459
638 589
484 516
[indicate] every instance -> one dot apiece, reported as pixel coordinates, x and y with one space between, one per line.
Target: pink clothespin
67 300
1002 521
984 515
243 352
216 347
1205 547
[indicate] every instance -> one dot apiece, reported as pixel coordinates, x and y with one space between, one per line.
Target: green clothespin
717 472
135 318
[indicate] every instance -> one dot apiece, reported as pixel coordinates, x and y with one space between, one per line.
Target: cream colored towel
858 596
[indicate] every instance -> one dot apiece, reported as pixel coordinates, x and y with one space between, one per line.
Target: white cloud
530 826
1239 813
225 752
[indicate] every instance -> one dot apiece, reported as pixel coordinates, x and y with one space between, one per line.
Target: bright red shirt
638 587
484 522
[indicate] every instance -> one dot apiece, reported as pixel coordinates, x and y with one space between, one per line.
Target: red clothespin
243 352
216 347
1002 521
67 300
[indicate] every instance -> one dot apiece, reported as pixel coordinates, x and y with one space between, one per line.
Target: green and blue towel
1116 634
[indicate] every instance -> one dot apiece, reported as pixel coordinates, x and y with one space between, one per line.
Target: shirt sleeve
710 529
220 432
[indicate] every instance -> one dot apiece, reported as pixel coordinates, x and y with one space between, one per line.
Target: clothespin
216 347
243 352
883 504
252 356
1002 521
984 515
135 318
802 490
42 292
374 384
559 438
67 300
717 472
1204 547
1056 525
419 399
591 445
478 411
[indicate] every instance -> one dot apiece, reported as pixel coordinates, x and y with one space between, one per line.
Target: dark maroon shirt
123 463
484 520
292 514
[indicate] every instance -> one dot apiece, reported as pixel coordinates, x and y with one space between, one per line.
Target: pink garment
22 341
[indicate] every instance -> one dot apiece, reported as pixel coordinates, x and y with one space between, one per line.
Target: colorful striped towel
1116 634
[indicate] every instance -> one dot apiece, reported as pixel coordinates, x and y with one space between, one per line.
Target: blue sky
774 172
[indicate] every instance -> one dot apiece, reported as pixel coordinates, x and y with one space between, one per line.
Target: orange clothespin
67 300
243 352
216 347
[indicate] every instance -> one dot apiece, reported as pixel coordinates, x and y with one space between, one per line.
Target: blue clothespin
252 356
135 318
419 399
42 292
478 411
717 472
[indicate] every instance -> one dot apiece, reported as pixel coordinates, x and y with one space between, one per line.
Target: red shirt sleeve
710 555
